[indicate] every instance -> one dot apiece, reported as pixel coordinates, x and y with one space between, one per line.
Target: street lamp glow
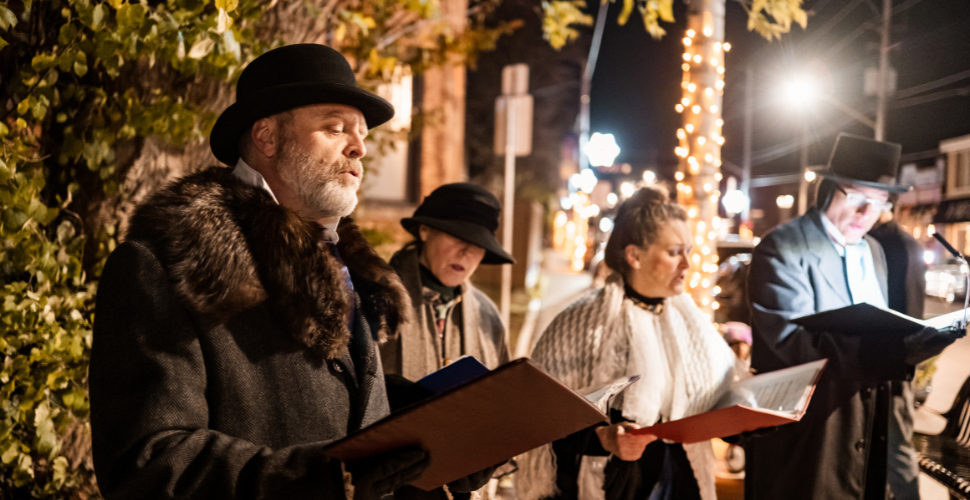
611 199
602 150
785 201
627 189
606 224
809 176
734 202
587 180
649 177
801 91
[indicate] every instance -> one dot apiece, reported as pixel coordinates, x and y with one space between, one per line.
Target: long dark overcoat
228 350
838 450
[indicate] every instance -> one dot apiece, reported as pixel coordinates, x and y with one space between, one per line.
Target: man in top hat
820 261
454 230
237 327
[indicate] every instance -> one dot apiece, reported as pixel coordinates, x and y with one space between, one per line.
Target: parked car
947 280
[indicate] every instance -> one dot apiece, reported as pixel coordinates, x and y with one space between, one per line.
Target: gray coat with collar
474 327
838 449
222 361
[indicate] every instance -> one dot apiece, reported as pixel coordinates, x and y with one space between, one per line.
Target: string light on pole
700 141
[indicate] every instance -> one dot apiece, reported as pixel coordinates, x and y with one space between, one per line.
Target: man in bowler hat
820 261
237 327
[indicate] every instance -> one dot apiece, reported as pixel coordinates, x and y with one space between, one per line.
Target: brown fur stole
227 246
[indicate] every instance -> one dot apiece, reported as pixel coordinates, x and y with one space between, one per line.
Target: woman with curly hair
640 323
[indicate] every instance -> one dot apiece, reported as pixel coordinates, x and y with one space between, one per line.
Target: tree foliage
83 84
770 18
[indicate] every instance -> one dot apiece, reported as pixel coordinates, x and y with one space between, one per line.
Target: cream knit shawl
602 337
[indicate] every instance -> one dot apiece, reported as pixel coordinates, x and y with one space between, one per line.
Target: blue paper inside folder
462 371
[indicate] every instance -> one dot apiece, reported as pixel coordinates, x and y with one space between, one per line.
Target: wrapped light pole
513 137
700 138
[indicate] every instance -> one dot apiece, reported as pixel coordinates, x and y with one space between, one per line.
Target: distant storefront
952 215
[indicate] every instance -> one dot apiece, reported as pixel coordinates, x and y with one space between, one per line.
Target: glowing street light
809 176
801 91
649 177
611 199
627 189
734 202
785 201
602 150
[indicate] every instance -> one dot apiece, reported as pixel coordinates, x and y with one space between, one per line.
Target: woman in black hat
455 232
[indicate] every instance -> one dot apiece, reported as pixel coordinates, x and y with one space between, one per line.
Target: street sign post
513 137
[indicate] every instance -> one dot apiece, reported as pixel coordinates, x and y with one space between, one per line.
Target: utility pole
882 90
746 149
587 83
803 169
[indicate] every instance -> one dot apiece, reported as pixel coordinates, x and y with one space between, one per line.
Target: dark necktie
351 296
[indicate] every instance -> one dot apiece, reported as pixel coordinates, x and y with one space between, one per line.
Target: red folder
743 408
511 410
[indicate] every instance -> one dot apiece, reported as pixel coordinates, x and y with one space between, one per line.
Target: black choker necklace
651 304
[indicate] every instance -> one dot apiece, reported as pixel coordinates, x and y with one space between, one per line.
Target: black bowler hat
289 77
465 211
866 162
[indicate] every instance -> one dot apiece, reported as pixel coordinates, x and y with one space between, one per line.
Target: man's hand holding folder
930 342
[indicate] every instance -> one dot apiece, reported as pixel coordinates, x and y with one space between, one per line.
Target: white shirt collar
246 174
834 234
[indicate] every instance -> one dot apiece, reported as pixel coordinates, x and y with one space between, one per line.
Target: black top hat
465 211
289 77
866 162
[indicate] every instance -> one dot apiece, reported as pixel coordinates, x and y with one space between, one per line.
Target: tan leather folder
513 409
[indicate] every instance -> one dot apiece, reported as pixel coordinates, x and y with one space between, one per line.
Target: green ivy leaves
90 79
559 16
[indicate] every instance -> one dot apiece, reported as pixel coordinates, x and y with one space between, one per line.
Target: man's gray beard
318 186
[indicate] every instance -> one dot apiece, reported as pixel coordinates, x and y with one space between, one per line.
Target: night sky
637 80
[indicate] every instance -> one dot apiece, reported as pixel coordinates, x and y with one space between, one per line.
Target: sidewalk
560 286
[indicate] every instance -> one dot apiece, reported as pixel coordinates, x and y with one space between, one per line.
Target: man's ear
265 137
424 232
632 255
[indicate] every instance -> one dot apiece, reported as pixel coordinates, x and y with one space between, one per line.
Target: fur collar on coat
227 246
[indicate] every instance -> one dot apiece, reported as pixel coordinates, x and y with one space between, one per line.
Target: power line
943 94
918 89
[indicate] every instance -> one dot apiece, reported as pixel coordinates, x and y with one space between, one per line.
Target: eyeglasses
859 200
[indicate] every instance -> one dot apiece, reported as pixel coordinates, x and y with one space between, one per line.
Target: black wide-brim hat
465 211
866 162
290 77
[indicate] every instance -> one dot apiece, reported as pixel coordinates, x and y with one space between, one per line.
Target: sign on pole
513 137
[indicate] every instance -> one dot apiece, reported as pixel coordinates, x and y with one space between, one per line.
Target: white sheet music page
784 391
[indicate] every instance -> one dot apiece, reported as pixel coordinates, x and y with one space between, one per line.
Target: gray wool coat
223 360
474 327
838 449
